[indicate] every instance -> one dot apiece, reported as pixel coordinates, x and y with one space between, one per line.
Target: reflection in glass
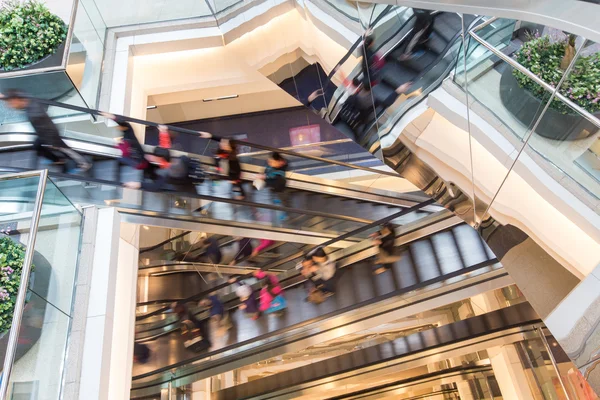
40 357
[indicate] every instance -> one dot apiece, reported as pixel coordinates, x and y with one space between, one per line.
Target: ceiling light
146 227
232 96
151 107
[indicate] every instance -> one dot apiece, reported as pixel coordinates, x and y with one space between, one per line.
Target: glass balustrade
39 342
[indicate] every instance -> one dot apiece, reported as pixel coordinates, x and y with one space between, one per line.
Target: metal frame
13 335
531 75
540 332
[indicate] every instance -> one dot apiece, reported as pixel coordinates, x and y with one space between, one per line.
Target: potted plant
29 33
548 59
12 255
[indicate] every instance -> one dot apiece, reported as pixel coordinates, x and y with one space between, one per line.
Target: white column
509 373
123 334
506 364
98 341
201 390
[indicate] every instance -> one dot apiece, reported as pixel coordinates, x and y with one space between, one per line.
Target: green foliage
11 263
28 33
542 57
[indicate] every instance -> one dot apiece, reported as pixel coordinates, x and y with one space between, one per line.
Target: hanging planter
12 255
29 33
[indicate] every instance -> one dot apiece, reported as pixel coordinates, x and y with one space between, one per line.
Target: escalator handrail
346 235
214 199
156 246
210 136
352 190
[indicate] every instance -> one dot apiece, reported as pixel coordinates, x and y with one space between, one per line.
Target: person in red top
263 244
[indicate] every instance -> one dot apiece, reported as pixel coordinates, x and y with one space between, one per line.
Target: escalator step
396 74
447 25
383 93
420 62
436 43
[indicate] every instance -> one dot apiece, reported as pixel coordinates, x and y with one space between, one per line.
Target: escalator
426 69
329 207
347 375
449 258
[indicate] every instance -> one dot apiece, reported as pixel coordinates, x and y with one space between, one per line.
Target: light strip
231 96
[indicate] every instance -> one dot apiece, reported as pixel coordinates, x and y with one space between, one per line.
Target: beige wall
191 75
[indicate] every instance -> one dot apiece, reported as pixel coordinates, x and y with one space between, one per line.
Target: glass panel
541 375
17 199
385 333
133 12
505 105
57 249
40 356
86 53
50 86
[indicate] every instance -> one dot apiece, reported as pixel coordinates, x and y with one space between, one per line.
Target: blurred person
213 250
175 178
132 152
262 245
193 328
308 269
244 250
48 143
271 297
324 271
228 152
385 240
276 180
419 35
249 303
141 353
372 61
217 312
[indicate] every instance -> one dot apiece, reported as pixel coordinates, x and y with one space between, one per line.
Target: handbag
316 297
277 304
259 184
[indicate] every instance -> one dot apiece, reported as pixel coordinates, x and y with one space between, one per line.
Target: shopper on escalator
244 250
48 143
217 313
228 152
276 180
262 245
213 250
324 271
132 153
385 240
419 35
271 294
247 296
372 62
175 178
141 353
200 331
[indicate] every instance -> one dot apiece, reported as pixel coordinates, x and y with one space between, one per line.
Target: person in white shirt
323 272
